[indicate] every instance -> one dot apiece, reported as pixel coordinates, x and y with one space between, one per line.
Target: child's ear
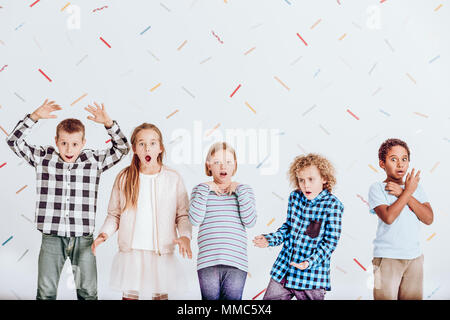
382 164
84 142
56 140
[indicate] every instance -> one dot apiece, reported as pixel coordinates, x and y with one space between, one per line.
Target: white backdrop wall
387 63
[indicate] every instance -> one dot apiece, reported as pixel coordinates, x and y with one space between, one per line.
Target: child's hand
100 239
213 187
260 242
184 245
394 188
99 115
232 187
43 112
302 266
412 181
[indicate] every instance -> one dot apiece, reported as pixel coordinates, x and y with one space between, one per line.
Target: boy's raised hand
412 181
184 246
260 242
99 115
45 110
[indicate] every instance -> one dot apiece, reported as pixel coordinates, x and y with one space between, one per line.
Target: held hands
100 239
184 245
220 189
411 183
302 266
99 115
260 242
45 110
394 189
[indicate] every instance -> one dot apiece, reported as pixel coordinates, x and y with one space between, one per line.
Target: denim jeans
221 282
278 291
52 256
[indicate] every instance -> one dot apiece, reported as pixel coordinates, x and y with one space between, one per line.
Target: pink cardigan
172 205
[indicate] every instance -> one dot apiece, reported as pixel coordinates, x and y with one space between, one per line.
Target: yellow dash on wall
246 103
18 191
411 78
343 36
315 24
271 221
155 87
340 269
172 114
68 3
431 237
246 53
421 114
212 130
182 45
1 128
281 82
435 166
372 167
84 95
438 7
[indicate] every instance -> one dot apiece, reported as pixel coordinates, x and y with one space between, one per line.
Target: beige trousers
398 279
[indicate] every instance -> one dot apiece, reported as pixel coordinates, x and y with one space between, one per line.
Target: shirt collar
324 193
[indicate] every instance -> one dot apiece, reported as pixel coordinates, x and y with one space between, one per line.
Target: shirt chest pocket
313 228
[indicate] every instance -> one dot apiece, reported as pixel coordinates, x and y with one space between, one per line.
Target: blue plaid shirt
310 233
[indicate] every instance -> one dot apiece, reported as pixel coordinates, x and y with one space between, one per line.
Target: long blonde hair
129 177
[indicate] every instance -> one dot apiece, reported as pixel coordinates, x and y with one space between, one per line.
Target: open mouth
148 158
69 157
308 193
223 174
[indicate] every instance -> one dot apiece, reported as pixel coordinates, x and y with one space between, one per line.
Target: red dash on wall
302 39
235 91
45 75
259 294
348 110
31 5
107 141
2 165
359 264
105 42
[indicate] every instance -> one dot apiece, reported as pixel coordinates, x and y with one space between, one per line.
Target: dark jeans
278 291
54 252
221 282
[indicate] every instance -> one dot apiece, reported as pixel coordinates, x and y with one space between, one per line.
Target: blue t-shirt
399 240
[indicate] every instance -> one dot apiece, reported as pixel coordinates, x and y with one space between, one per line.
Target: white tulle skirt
148 274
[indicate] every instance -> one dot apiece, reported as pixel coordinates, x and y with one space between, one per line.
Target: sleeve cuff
28 121
269 239
114 128
310 262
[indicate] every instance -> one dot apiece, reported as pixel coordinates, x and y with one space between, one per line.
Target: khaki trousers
398 279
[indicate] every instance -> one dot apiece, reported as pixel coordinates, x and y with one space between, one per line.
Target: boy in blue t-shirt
401 206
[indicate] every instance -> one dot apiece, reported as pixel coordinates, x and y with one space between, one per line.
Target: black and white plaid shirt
67 192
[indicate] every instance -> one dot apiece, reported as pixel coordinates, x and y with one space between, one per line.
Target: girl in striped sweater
222 209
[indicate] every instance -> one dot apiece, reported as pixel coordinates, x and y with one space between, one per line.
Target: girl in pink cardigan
148 205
